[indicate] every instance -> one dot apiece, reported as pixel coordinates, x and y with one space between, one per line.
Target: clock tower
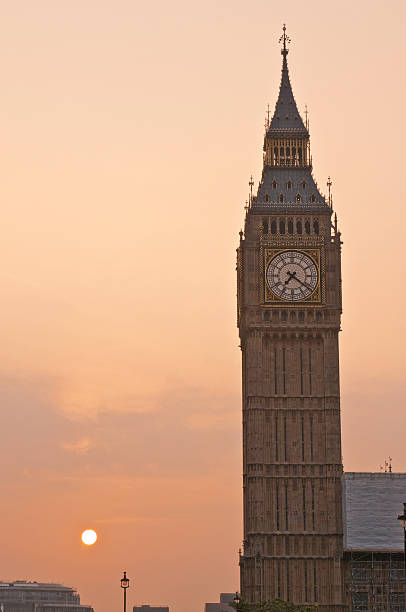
289 310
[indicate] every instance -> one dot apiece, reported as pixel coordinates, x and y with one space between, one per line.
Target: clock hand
304 284
291 275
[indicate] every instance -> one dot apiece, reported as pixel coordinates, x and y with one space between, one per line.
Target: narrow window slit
312 506
285 438
305 583
311 438
275 372
277 507
304 505
276 439
315 581
284 369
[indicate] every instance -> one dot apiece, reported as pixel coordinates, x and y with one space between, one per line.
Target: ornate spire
286 117
287 181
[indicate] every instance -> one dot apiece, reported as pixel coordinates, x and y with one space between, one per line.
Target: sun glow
89 537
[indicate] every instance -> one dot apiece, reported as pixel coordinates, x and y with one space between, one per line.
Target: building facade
22 596
221 606
289 310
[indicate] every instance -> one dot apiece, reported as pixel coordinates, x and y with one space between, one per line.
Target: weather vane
285 39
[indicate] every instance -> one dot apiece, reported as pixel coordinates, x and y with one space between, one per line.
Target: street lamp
237 601
402 519
125 583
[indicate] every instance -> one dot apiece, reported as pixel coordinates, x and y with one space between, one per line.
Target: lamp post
125 583
402 519
237 601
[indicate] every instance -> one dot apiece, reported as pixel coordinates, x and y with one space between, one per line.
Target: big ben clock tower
289 309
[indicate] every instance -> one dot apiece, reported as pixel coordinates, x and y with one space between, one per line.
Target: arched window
304 184
316 226
299 228
289 184
282 150
284 315
294 151
266 197
307 226
273 227
290 226
298 198
273 184
281 226
281 198
265 226
267 315
300 154
275 151
287 151
313 198
301 316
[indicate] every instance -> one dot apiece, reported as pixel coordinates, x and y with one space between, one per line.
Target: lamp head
125 583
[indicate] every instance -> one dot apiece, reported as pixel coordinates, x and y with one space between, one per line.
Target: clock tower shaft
289 310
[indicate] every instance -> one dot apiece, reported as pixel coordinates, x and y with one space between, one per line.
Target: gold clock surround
316 297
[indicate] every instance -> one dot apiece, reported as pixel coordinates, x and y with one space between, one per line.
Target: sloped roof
286 117
371 504
275 183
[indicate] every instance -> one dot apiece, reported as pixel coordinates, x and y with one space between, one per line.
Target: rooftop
372 502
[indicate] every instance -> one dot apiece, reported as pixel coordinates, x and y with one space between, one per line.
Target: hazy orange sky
129 131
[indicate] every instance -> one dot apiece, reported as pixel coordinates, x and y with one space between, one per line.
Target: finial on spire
285 39
329 184
307 118
251 185
267 122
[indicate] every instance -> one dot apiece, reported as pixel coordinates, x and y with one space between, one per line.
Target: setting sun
89 537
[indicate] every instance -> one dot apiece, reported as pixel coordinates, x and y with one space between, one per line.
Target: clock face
292 276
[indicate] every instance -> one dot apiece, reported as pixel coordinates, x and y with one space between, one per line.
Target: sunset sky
129 131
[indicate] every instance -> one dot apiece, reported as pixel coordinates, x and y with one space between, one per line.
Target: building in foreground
374 574
148 608
222 605
22 596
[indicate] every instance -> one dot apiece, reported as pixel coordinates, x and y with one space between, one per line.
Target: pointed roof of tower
286 117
